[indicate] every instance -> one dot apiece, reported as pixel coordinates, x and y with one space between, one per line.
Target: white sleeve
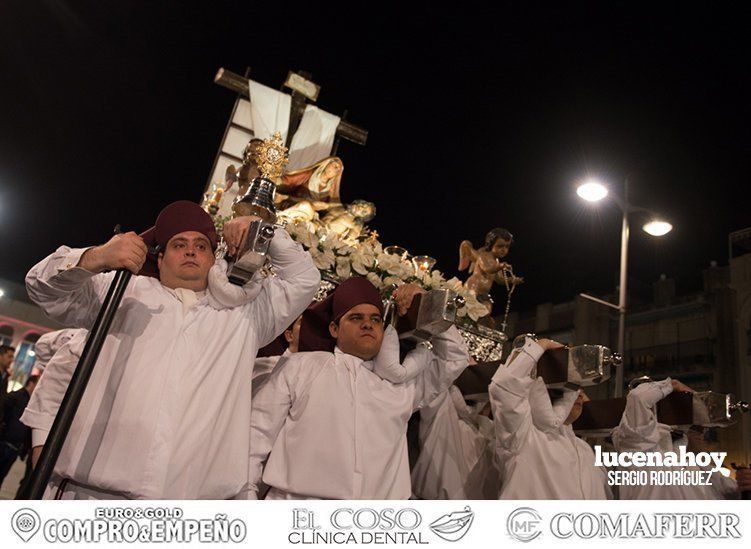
45 401
270 409
548 415
285 296
639 428
386 364
67 293
447 359
509 398
48 344
429 412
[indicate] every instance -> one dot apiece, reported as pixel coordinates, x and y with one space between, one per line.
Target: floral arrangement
339 259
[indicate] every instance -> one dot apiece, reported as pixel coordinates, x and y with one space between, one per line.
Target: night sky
477 119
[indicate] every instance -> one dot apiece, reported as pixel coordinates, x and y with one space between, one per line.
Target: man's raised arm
68 285
287 294
639 429
510 394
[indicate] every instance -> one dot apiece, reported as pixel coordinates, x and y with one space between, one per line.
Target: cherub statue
485 265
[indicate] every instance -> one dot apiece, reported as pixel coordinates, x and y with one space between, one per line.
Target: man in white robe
264 365
167 408
539 454
457 443
48 344
39 419
330 427
639 431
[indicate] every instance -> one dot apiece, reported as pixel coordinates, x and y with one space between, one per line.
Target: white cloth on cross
269 110
313 139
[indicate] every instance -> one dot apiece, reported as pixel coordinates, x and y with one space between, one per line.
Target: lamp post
593 191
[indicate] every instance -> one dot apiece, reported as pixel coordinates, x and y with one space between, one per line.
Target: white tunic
336 430
451 447
60 362
263 367
540 457
48 344
167 408
639 431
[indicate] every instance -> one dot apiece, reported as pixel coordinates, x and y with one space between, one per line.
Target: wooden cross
303 90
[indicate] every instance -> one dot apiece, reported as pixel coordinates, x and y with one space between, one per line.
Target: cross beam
239 84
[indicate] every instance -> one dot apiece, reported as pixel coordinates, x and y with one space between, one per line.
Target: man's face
500 248
6 360
576 409
360 331
185 261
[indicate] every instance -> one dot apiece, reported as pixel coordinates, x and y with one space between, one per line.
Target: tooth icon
453 526
25 523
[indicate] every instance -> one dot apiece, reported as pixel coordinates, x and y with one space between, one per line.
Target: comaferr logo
639 525
454 526
524 524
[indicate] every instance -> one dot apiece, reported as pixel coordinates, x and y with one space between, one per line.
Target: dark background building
702 338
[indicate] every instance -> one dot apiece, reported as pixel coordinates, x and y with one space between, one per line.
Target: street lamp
593 191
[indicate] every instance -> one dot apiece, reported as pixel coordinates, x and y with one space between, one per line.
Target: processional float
306 199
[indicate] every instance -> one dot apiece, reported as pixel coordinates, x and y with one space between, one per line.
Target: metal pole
622 294
77 386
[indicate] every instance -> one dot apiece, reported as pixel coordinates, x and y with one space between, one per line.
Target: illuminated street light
657 228
592 191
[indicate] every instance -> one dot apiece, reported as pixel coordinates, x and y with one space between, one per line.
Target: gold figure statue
307 194
310 193
486 266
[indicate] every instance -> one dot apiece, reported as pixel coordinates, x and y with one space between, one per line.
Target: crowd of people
181 406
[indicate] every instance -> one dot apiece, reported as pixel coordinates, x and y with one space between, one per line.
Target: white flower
362 261
390 263
344 251
343 269
424 279
338 245
454 284
323 260
406 269
389 280
306 237
375 280
436 279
